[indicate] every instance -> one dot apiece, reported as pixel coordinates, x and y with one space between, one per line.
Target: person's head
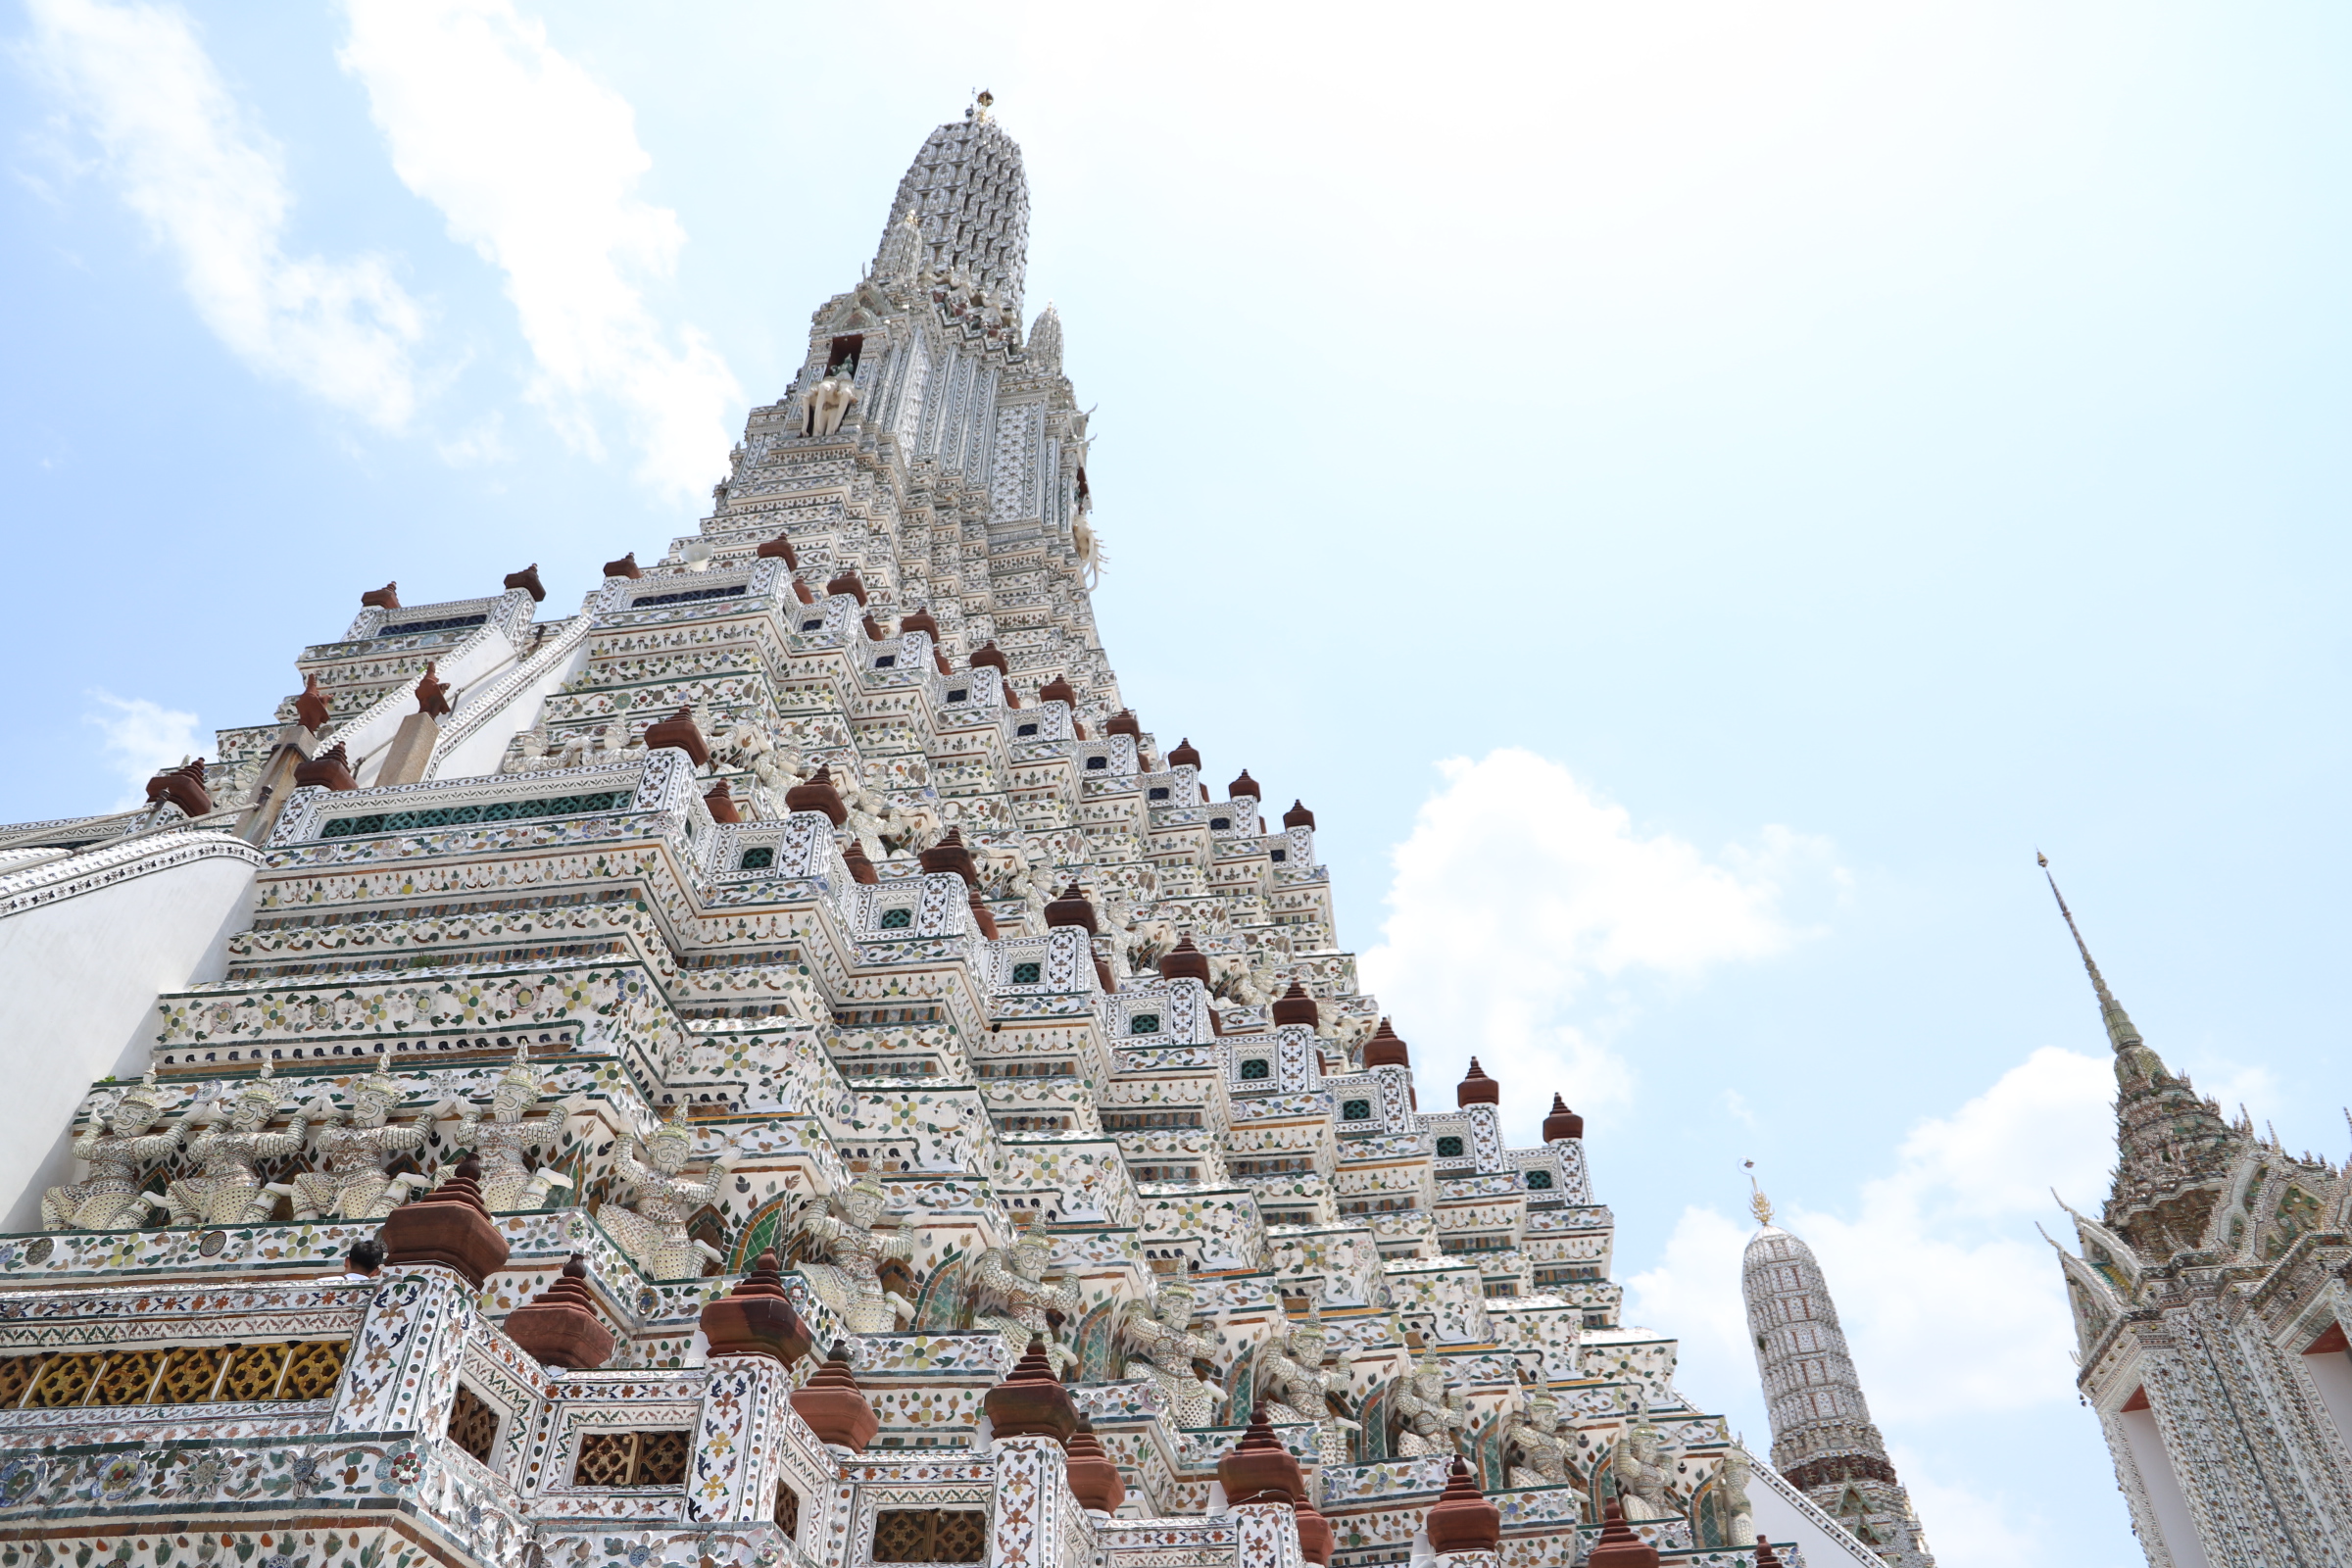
367 1257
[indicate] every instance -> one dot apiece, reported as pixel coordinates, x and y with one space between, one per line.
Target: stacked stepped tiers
833 1086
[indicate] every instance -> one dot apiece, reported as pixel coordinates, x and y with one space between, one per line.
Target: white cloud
532 162
1693 1294
1951 1303
1965 1526
1519 890
482 442
211 188
141 739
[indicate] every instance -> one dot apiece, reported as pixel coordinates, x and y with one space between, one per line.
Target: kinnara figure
118 1148
226 1189
652 1229
502 1141
1297 1387
354 1184
851 1284
1162 1328
1431 1420
1532 1447
1016 1276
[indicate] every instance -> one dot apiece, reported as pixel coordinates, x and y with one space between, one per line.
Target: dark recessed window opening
1449 1147
1027 974
901 919
473 1423
1024 730
959 694
343 827
1158 792
930 1535
843 353
1144 1023
1220 823
1539 1181
452 624
1356 1110
648 603
887 662
812 626
632 1458
1257 1067
1281 854
756 860
1098 764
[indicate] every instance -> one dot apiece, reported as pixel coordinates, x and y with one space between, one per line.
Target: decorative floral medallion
119 1478
399 1470
18 1477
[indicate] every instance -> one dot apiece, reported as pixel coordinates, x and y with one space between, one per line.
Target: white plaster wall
78 980
481 751
2165 1499
1783 1514
2331 1373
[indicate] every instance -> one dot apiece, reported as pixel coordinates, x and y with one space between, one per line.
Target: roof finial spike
1757 1203
2121 1032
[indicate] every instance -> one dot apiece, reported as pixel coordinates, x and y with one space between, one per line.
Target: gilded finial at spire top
1757 1203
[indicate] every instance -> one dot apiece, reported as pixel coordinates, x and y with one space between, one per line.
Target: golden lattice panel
190 1375
607 1459
253 1373
127 1378
64 1381
311 1370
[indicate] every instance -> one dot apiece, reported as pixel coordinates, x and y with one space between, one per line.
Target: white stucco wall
2173 1521
2331 1373
80 973
1785 1515
481 751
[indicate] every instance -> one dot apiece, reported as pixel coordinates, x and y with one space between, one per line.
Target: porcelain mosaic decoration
803 936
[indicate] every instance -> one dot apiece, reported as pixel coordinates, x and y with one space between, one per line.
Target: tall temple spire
970 202
1823 1440
2120 1030
2172 1146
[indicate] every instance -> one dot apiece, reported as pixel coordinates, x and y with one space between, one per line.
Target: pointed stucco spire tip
969 198
1045 340
2120 1030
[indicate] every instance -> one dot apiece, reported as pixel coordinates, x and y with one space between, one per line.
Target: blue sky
1693 496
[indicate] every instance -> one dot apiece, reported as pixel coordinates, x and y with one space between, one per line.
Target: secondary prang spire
2120 1029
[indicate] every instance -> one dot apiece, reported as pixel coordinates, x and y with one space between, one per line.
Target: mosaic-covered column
1269 1536
736 1444
1034 1515
403 1373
